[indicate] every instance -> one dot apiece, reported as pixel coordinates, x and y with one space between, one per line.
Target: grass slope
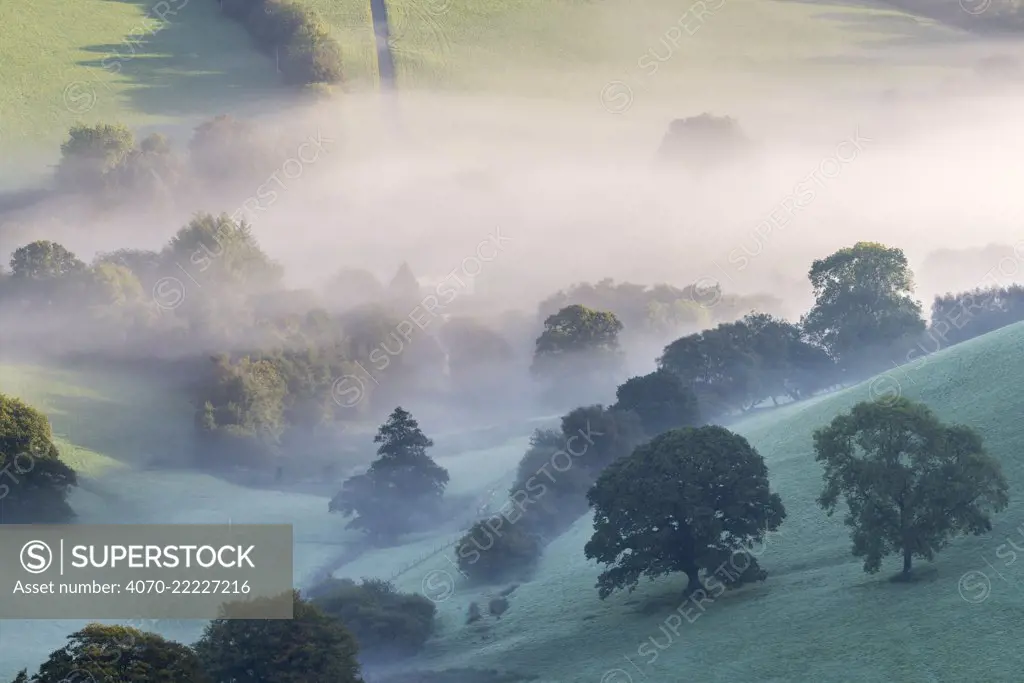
818 617
571 48
110 426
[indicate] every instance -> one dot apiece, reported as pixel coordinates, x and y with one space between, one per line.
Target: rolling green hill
817 617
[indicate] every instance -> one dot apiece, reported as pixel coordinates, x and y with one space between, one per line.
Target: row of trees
864 318
311 646
693 499
294 35
337 627
106 162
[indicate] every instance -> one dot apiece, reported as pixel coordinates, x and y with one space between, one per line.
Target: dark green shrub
497 607
385 623
473 614
495 548
312 59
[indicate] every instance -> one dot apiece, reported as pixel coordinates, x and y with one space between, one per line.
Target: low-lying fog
575 194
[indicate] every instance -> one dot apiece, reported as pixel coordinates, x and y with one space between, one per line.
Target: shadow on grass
131 431
194 62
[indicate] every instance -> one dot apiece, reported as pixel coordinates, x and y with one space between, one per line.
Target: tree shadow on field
195 62
132 431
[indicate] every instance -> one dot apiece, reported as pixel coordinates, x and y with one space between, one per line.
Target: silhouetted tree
660 400
403 482
688 501
863 303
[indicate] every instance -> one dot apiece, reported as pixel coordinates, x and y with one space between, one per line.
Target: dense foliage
34 481
910 482
309 646
692 500
402 486
118 653
385 622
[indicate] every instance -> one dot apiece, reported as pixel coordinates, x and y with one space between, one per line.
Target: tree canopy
660 400
311 646
403 482
102 652
910 482
691 500
863 302
385 622
34 481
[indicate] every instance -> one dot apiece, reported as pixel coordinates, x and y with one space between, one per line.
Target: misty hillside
368 269
558 630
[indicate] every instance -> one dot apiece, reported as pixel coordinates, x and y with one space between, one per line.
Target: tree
386 623
863 302
118 653
226 148
224 251
355 287
786 362
578 329
718 365
578 351
402 481
35 482
404 288
703 140
43 260
660 400
910 482
151 170
480 361
561 465
688 501
91 154
309 647
144 263
495 549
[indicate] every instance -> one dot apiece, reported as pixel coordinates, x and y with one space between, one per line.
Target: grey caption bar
150 571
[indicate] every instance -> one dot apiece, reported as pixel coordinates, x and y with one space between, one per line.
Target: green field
105 60
818 617
101 60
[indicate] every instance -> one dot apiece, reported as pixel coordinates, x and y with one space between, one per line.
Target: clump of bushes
550 491
497 607
473 614
385 622
494 548
298 39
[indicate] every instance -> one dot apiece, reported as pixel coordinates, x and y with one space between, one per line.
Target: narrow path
382 33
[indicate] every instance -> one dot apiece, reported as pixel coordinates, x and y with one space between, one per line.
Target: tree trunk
693 584
906 561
